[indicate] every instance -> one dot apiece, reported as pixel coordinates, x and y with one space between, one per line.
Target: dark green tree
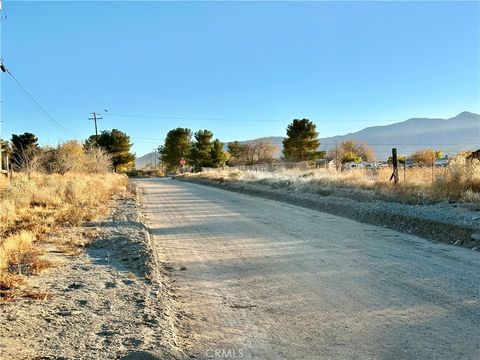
236 152
302 142
24 148
218 155
201 151
117 144
176 147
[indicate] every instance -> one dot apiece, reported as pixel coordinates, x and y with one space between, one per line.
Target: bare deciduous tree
352 149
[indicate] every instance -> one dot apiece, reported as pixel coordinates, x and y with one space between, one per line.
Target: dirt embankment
443 222
110 301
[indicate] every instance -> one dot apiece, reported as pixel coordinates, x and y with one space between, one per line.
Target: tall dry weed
35 204
459 181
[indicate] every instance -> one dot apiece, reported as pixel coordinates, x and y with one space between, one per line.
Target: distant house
353 165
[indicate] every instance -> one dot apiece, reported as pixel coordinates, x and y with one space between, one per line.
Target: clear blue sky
344 65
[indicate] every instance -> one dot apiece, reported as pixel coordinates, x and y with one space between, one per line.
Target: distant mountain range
451 136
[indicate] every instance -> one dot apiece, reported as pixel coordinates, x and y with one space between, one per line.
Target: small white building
353 165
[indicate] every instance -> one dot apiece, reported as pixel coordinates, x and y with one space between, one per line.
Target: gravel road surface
255 278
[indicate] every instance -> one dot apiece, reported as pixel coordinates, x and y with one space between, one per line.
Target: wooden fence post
395 167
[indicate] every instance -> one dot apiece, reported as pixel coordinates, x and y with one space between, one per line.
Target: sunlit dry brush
459 181
10 248
32 206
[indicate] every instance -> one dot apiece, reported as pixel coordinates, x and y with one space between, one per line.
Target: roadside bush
69 157
460 181
32 205
97 161
73 157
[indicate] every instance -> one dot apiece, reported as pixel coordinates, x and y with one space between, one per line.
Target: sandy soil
108 302
256 278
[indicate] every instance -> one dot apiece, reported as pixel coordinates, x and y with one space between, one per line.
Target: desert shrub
69 157
34 204
73 157
460 181
97 161
16 243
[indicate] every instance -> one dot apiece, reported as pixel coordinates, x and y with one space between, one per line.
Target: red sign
182 162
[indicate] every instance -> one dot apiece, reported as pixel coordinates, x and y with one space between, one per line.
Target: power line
35 103
196 118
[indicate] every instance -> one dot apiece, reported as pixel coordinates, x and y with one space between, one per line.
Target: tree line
301 144
200 150
110 150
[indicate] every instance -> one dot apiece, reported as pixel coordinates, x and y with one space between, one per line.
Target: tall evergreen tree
117 144
218 155
176 147
236 152
302 142
201 152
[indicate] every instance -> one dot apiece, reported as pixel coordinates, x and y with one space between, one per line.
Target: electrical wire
195 118
35 103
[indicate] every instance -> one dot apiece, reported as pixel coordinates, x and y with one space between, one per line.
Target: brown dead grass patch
34 207
459 181
12 295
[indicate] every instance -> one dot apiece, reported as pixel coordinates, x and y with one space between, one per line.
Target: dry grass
9 295
460 181
33 206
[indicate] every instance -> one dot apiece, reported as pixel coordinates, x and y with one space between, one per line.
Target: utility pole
95 118
3 69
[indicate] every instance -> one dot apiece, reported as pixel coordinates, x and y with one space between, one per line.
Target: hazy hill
453 135
145 160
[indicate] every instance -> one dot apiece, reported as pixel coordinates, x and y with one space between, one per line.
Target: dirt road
260 279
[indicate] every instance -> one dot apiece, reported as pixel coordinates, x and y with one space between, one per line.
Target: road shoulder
108 301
